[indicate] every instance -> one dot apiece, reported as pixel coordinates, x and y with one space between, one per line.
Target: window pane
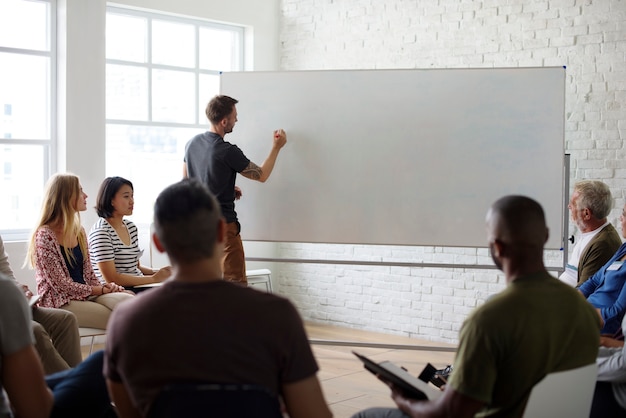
126 92
173 44
22 183
219 50
25 24
24 96
209 87
126 37
173 96
143 149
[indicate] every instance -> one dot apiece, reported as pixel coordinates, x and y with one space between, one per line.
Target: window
161 72
27 98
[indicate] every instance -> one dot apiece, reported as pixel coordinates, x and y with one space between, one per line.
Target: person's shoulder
607 237
201 137
258 300
273 305
129 224
99 225
516 292
44 232
8 283
609 229
570 301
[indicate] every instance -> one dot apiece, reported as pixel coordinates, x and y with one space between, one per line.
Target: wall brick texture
586 36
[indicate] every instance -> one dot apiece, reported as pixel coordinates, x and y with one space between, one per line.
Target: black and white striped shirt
106 245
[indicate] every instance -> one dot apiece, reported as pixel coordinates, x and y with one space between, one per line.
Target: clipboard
410 385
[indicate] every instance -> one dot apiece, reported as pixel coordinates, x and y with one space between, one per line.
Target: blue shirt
605 290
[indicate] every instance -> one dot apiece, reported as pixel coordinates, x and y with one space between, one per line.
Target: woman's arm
619 305
88 274
111 275
160 274
591 284
612 368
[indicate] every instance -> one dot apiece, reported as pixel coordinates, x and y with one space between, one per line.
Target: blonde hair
58 211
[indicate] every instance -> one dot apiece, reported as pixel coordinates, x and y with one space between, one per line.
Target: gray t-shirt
16 331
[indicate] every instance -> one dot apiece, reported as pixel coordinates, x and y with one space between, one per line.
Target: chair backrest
563 394
191 400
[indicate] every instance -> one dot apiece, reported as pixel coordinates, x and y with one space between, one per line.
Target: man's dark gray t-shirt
216 163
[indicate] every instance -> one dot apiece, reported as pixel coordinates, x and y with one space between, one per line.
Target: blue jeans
81 391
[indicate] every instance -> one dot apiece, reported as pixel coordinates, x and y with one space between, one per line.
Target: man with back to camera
598 240
216 163
535 326
199 328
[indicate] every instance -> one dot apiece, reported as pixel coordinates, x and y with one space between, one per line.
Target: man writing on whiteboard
216 163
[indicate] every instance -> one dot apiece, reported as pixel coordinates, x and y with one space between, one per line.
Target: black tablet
411 386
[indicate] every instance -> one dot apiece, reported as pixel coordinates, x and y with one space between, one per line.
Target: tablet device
410 385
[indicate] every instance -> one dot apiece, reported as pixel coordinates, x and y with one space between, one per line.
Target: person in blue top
605 290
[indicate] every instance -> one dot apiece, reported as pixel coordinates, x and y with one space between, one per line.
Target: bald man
537 325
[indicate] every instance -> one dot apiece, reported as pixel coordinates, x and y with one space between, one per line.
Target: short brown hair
219 108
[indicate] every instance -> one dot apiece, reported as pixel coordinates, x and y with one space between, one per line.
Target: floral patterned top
54 284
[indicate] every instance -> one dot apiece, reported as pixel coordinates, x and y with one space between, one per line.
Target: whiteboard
398 157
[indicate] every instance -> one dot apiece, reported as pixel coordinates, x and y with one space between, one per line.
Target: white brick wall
588 37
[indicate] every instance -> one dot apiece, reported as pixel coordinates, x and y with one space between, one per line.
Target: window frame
153 15
50 145
199 123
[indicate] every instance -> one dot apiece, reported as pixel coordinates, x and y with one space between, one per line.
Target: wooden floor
347 386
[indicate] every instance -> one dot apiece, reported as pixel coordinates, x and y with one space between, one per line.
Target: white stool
91 333
260 279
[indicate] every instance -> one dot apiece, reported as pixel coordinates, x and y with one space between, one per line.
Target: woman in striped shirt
113 240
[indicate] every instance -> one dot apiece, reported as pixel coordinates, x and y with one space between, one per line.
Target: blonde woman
58 252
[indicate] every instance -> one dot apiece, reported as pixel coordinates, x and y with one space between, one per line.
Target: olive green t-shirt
537 325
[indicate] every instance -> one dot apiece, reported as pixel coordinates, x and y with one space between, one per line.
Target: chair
192 400
260 279
563 394
91 333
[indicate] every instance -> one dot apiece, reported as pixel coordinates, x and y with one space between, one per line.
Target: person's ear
157 243
498 248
